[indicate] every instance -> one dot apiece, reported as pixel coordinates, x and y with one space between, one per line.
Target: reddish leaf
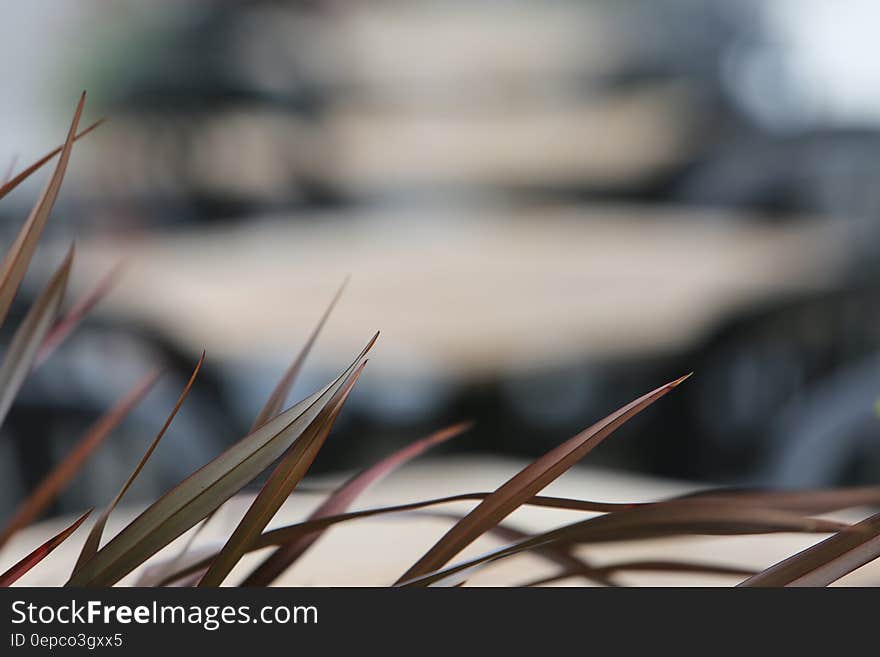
277 399
282 390
10 183
648 522
18 257
35 557
527 483
284 478
342 499
65 326
18 361
182 507
56 480
644 566
93 541
827 561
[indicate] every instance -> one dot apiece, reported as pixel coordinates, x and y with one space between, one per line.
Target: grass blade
558 554
10 183
814 502
282 390
342 498
841 553
93 541
527 483
284 478
205 490
644 566
278 397
660 520
18 257
65 326
56 480
289 533
19 358
35 557
842 565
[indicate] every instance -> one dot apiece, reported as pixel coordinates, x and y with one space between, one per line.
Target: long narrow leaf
561 555
284 478
527 483
35 557
10 183
708 517
19 358
19 255
644 566
644 523
93 541
342 498
814 502
53 483
282 390
829 551
843 565
294 532
277 399
205 490
66 324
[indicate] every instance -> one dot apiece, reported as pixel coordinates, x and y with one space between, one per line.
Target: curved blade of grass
278 397
293 532
93 541
35 557
664 519
282 390
559 554
18 257
752 521
844 550
11 183
527 483
644 566
19 358
814 502
205 490
284 478
66 324
342 498
843 565
57 479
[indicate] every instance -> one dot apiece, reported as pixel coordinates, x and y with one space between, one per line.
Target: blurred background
547 208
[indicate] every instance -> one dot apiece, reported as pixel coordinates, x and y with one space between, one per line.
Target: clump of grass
292 437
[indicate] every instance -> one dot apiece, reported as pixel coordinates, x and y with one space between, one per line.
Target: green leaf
205 490
284 478
93 541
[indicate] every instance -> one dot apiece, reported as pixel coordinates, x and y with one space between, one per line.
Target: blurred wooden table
461 293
